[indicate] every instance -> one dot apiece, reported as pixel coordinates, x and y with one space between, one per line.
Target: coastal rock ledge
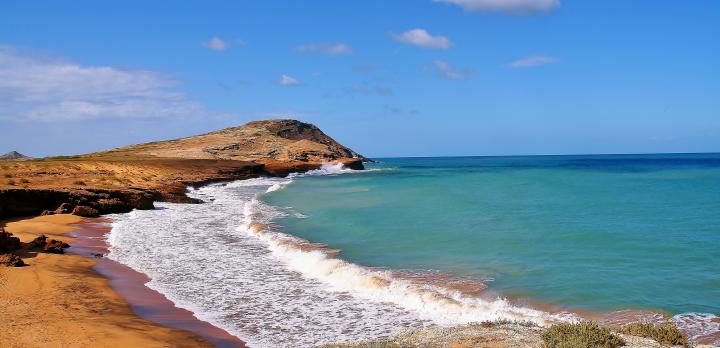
133 177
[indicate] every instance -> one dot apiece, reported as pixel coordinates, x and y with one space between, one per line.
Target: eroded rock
11 260
85 211
8 242
52 246
64 208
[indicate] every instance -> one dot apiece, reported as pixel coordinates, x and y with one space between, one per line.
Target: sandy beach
60 300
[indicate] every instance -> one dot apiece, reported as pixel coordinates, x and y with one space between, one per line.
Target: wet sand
145 302
65 300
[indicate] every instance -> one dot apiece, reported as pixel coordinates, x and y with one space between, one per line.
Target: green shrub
666 333
585 334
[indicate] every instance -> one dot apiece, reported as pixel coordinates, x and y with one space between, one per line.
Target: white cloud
445 70
287 80
216 44
506 6
421 38
50 89
532 61
332 49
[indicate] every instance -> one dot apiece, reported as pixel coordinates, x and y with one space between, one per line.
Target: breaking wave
244 274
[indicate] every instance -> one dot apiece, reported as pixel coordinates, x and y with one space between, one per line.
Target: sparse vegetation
7 175
11 182
79 182
490 324
666 333
54 158
585 334
24 181
373 344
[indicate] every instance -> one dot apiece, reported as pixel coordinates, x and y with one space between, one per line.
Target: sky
386 78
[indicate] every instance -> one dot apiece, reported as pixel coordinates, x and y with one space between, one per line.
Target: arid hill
134 176
259 141
12 156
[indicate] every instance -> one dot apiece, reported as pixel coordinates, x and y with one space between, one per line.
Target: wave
244 274
445 305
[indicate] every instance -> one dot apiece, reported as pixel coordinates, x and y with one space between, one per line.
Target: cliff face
132 177
258 141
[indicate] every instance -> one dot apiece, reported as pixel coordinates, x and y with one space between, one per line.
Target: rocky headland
135 176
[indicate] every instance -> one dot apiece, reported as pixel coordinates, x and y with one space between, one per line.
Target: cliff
130 177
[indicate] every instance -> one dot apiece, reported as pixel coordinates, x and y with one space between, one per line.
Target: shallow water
595 232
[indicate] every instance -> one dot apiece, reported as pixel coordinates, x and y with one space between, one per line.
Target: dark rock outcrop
8 243
28 202
11 260
64 208
85 211
52 246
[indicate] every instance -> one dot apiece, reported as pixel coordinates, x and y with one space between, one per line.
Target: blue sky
388 78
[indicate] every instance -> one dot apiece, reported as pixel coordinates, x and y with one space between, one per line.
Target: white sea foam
698 325
196 256
227 262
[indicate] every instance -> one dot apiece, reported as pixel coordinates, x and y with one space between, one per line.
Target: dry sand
59 301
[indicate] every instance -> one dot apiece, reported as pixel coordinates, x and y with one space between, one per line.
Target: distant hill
259 141
13 156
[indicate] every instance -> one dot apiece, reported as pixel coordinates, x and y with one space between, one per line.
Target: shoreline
74 299
614 318
130 284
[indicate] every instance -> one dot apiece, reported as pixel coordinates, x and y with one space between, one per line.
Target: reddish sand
145 302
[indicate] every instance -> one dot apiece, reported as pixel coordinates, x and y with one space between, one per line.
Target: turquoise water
595 232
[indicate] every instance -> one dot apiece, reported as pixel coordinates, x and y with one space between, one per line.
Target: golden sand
59 301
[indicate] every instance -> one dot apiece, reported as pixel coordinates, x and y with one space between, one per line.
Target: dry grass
581 335
666 333
490 324
373 344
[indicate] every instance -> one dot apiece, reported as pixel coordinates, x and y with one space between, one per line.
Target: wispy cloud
532 61
51 89
447 71
333 49
218 44
287 80
421 38
517 7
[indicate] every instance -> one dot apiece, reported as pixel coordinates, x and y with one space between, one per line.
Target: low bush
585 334
666 333
79 182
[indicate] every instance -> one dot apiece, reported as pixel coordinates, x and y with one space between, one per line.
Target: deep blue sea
337 254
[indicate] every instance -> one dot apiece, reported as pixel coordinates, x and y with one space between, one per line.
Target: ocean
336 254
